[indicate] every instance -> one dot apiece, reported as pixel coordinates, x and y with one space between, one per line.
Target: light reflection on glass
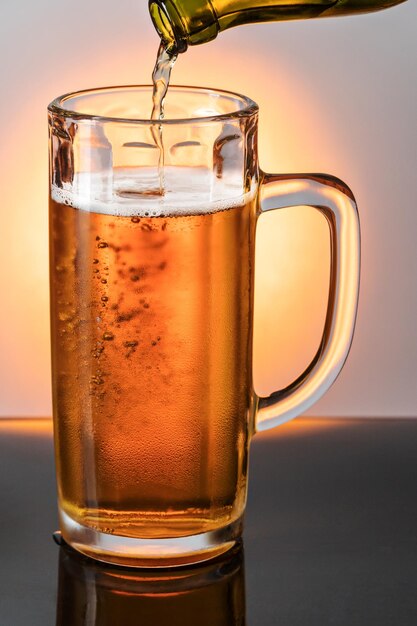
41 427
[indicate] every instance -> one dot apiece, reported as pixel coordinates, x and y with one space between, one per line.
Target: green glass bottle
181 23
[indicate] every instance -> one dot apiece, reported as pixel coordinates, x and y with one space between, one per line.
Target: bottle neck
181 23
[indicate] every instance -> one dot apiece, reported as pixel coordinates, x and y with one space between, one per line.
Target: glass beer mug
152 247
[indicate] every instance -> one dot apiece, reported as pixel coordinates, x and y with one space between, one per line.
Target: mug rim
248 108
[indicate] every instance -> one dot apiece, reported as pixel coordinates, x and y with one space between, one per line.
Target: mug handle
335 201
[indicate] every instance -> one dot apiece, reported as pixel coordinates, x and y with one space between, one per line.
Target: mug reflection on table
93 594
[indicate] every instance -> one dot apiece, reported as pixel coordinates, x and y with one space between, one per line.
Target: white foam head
128 192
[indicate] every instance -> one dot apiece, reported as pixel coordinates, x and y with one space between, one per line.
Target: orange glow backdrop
325 107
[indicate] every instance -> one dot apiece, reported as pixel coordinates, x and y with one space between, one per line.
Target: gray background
337 96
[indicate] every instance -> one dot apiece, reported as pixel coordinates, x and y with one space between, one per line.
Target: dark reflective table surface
330 539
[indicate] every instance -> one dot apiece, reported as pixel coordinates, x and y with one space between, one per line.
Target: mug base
135 552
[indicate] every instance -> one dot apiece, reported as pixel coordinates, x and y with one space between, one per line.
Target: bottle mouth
168 28
178 28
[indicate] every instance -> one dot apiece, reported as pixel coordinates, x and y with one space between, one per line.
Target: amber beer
151 333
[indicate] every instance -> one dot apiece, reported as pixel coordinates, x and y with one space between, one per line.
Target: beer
151 339
161 76
190 22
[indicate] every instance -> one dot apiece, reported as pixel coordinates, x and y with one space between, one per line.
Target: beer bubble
146 305
103 281
97 352
127 316
65 316
98 238
104 299
135 220
134 278
98 320
97 380
130 344
95 261
153 343
108 336
102 244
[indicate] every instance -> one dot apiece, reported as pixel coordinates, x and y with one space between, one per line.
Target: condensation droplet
97 352
130 344
65 316
97 380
